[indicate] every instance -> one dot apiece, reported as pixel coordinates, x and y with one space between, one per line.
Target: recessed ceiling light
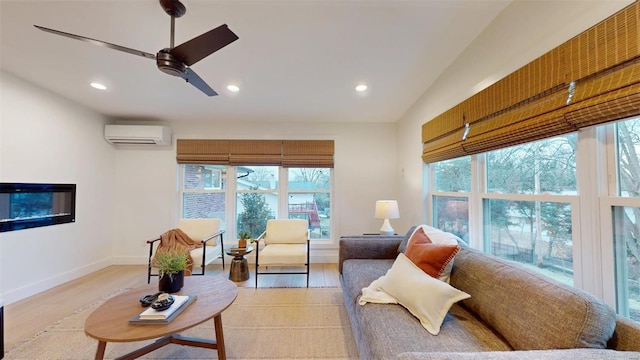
98 86
233 88
361 87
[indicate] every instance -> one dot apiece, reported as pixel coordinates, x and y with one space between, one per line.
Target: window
532 212
527 210
453 175
547 166
256 198
254 194
625 219
203 192
627 259
309 199
451 214
534 233
450 210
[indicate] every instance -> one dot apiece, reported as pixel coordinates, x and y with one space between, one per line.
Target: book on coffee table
152 316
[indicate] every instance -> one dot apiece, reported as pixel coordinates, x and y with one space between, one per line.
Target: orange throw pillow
431 258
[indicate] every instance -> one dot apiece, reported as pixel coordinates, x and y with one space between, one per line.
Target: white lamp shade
387 209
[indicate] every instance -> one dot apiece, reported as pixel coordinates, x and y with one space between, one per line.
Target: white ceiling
296 60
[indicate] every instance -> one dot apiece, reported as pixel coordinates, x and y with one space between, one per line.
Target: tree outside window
535 233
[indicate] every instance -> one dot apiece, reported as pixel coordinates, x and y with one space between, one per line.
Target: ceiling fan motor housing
169 64
173 8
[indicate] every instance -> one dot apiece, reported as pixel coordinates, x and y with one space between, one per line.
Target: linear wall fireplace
24 206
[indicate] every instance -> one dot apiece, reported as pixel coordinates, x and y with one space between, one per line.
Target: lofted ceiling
295 61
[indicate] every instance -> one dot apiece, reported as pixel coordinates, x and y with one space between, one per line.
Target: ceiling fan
175 60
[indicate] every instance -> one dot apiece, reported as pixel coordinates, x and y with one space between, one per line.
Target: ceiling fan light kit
176 60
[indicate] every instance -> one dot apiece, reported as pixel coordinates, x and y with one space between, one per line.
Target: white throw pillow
426 298
438 236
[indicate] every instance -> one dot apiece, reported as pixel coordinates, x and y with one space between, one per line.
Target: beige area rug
288 323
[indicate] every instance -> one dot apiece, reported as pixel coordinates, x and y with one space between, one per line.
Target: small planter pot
169 285
242 243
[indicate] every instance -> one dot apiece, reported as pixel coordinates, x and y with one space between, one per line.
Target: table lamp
387 209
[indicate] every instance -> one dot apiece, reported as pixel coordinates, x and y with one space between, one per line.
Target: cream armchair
206 231
284 243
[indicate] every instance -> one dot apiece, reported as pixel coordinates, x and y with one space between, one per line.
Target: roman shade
286 153
591 79
255 152
305 153
203 152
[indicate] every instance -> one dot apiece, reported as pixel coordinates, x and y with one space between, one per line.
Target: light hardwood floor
25 318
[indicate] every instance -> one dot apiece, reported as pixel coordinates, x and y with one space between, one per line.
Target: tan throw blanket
177 240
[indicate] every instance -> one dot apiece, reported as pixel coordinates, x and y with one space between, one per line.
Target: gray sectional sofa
513 313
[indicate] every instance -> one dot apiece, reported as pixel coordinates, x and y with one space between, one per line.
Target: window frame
329 191
231 192
607 201
592 210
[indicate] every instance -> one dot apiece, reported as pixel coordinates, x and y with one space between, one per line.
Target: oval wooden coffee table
110 322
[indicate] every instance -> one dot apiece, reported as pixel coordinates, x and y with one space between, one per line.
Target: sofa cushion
426 298
432 258
436 236
389 330
403 245
368 247
531 311
358 274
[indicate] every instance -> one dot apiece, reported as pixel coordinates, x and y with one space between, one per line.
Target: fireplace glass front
24 206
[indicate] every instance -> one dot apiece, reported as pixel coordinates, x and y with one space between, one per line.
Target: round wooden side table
239 266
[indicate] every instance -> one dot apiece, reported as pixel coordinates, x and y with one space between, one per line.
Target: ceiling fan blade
204 45
192 78
99 43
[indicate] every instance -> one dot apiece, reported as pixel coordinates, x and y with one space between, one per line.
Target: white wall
519 34
146 179
48 139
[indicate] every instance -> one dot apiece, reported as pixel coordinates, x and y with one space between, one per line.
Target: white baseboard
41 285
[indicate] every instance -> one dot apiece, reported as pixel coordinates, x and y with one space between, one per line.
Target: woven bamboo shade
609 43
255 152
591 79
532 120
529 82
447 152
288 153
213 152
614 105
450 121
307 153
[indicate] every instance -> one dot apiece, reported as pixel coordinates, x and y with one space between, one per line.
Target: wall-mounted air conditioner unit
137 134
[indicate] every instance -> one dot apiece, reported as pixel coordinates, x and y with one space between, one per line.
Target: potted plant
171 265
243 236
